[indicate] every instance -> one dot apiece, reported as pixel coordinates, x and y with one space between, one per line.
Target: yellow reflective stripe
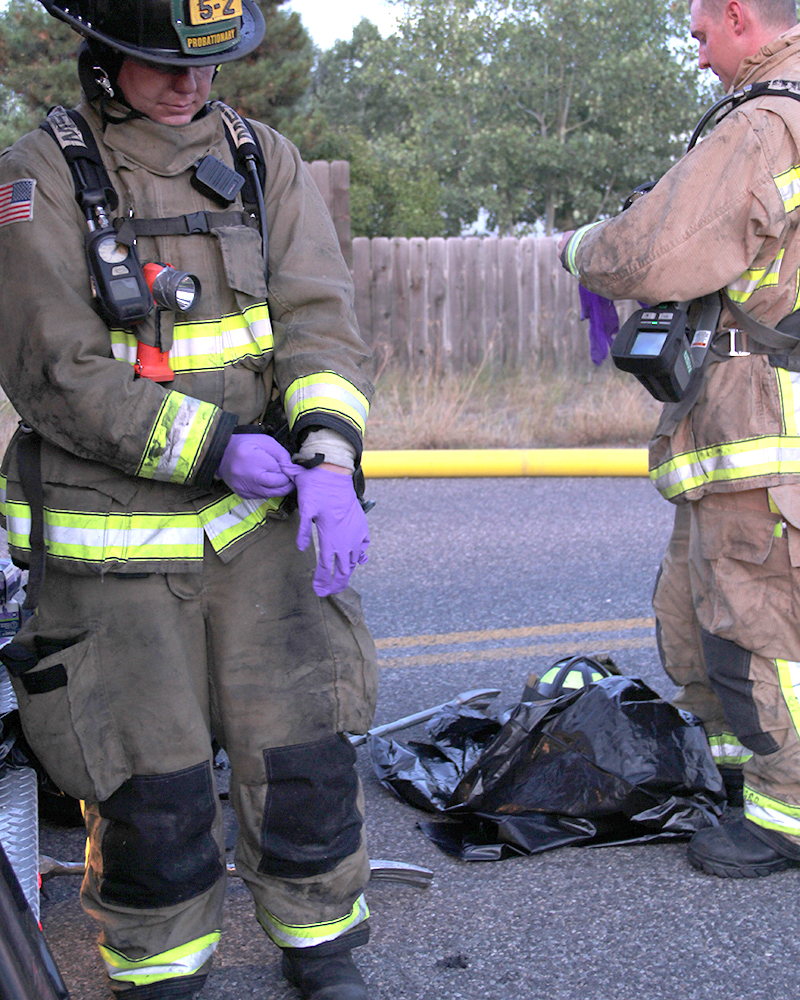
788 184
755 278
771 813
214 344
209 344
225 521
789 677
177 438
308 935
789 393
572 246
726 749
764 456
328 392
98 538
182 961
18 523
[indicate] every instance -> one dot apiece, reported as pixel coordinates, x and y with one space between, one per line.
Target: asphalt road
476 583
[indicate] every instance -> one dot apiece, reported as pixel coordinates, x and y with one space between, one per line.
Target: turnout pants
123 681
727 604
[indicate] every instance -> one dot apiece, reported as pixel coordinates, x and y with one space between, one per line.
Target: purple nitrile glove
329 499
603 323
255 467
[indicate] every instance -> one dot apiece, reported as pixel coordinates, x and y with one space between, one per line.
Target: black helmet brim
251 35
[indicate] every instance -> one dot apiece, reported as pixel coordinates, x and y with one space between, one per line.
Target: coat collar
166 150
769 63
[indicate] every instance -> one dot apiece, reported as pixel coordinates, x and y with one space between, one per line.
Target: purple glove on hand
329 499
255 467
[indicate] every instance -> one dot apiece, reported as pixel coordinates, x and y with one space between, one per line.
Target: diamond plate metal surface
19 829
8 701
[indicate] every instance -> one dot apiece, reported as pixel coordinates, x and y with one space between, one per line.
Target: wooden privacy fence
454 304
333 180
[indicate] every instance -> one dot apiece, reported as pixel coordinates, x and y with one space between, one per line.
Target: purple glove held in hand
329 499
603 322
255 467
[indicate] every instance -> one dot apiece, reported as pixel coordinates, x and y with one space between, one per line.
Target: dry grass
523 410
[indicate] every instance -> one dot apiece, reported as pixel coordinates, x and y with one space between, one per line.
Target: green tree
269 84
38 68
537 112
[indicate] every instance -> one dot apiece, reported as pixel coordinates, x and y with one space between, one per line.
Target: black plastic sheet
613 763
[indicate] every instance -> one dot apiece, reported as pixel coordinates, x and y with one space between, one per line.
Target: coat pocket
65 713
244 265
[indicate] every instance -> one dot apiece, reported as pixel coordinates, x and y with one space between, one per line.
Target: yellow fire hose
506 462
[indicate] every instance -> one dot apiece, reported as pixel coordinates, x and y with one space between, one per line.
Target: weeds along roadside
528 409
484 409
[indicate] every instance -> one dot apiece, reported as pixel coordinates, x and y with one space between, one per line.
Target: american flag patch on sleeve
16 201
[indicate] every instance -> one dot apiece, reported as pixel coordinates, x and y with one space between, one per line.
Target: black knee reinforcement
311 816
158 848
728 667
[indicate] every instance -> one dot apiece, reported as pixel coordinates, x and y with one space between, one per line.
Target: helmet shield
168 32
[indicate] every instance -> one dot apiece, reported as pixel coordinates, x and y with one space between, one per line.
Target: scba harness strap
93 185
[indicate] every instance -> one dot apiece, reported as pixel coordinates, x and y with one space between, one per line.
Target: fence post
437 303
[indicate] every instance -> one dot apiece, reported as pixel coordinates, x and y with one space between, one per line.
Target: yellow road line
564 628
550 649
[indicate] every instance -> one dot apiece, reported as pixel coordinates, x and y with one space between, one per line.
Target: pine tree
38 68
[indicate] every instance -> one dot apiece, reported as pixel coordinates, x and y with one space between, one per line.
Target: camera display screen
648 343
124 289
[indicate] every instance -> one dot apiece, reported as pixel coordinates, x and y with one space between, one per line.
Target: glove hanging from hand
603 323
256 467
329 499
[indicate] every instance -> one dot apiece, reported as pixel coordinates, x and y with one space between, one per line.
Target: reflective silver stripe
739 460
789 389
182 961
771 813
755 278
308 935
788 184
177 438
98 538
318 392
572 247
209 344
727 750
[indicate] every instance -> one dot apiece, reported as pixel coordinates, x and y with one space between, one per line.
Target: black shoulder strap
74 137
243 143
753 91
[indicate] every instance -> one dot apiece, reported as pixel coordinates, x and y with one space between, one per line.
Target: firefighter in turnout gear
169 535
726 217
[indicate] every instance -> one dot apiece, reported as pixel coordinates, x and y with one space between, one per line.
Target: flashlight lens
185 293
175 290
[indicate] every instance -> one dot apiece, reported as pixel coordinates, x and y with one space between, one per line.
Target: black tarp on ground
612 763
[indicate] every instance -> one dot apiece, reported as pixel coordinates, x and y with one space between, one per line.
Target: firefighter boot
323 976
737 850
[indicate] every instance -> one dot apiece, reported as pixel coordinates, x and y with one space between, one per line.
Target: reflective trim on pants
727 751
185 960
309 935
771 813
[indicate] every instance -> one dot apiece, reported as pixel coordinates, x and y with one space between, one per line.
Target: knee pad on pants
728 668
311 816
157 846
